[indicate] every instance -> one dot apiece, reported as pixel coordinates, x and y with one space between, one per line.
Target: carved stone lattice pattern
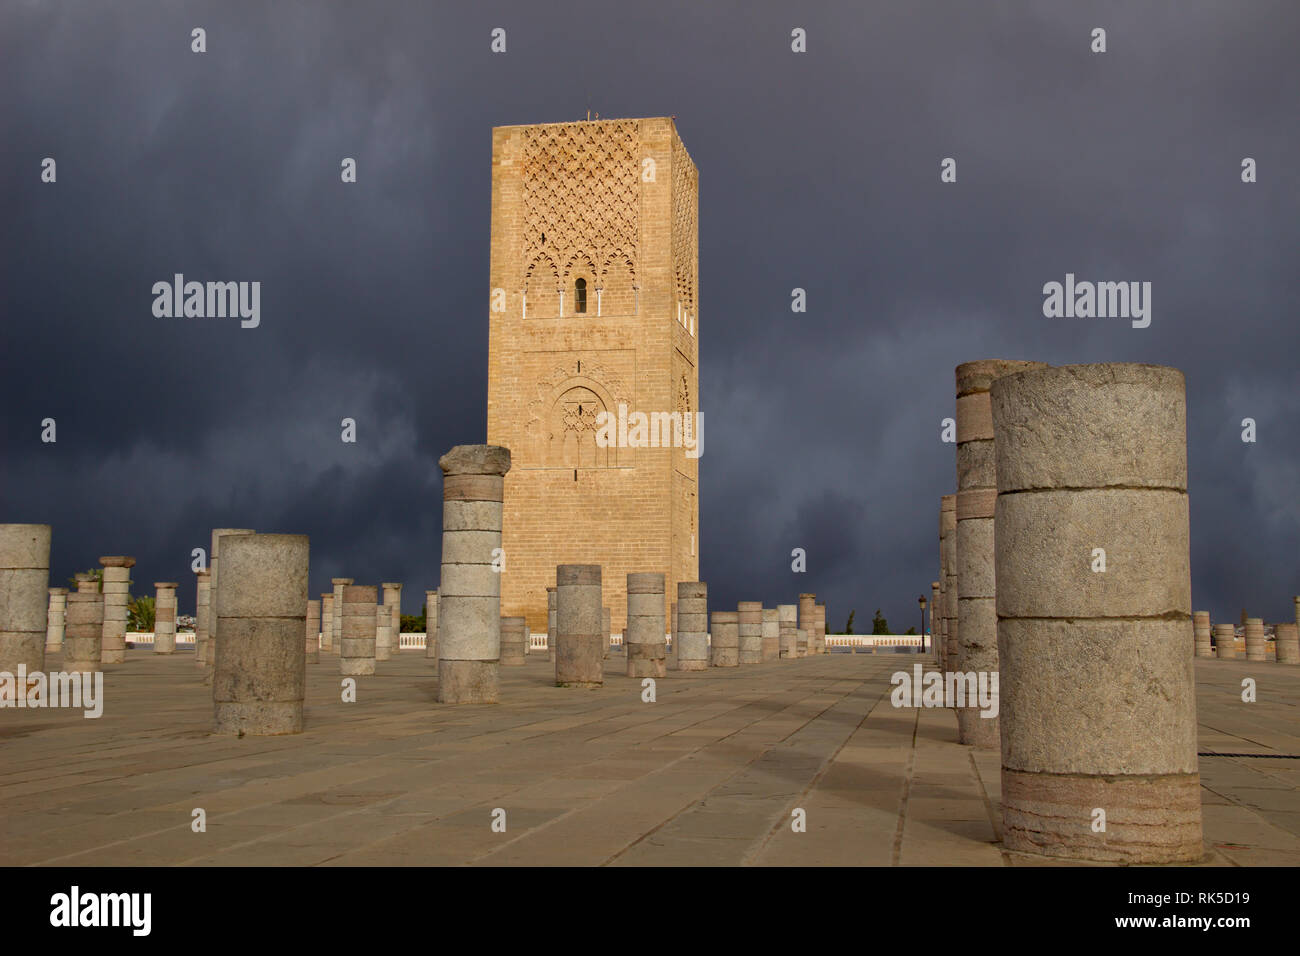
562 418
581 193
686 182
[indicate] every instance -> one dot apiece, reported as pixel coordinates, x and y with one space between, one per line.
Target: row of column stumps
974 645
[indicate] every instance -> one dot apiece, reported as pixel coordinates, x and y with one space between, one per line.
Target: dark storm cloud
818 171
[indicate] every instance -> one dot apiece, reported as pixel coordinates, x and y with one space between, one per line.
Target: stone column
1225 642
312 636
117 595
24 599
213 554
725 649
1297 610
359 617
1095 456
934 620
431 624
787 617
692 635
643 637
164 617
672 649
514 641
807 623
1287 639
550 624
393 602
819 628
609 632
469 600
749 615
1256 642
383 633
977 492
85 632
771 634
56 620
1201 632
948 555
339 584
327 621
578 617
202 616
260 673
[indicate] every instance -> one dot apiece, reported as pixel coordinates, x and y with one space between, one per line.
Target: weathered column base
980 732
1149 819
642 662
692 665
468 682
257 718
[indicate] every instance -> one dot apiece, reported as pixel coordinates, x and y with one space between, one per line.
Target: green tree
140 614
412 623
879 625
910 630
848 626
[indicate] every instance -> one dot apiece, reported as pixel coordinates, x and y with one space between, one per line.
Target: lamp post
921 601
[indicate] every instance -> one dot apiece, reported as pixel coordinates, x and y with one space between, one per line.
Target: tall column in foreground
692 636
164 617
24 598
948 562
469 599
117 595
56 620
260 673
672 648
643 638
383 633
819 627
202 616
85 633
1094 457
578 624
977 492
213 582
608 631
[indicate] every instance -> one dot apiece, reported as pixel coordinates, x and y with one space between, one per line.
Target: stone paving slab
710 774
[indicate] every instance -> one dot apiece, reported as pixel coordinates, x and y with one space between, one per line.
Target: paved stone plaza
706 775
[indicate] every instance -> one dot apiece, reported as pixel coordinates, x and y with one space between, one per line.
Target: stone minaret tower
594 305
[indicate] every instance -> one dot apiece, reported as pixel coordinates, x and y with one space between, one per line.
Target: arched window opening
580 296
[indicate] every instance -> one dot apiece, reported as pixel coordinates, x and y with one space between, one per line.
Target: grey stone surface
164 626
358 621
514 641
469 593
749 615
116 587
725 632
312 633
1097 684
56 619
644 636
691 634
579 622
1256 641
259 674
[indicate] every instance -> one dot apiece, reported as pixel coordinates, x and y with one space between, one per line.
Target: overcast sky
818 170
